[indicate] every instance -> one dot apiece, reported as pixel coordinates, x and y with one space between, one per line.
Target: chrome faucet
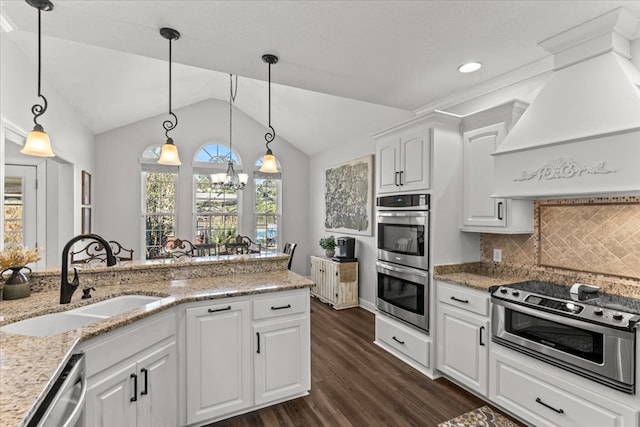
67 289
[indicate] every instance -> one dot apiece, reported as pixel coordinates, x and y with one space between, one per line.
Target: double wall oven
403 257
586 332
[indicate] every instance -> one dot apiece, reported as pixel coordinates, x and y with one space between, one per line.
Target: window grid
216 212
160 210
267 212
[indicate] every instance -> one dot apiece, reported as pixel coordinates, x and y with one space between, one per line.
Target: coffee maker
345 249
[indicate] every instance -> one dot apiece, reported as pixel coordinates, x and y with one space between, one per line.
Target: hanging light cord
168 124
232 99
38 109
271 134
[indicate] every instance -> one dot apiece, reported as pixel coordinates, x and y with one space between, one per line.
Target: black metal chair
94 252
289 249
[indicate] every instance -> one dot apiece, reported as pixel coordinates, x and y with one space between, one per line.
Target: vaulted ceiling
346 69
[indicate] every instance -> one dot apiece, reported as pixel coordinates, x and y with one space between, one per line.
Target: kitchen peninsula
29 363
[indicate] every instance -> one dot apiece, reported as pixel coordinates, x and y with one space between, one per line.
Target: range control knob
503 290
617 315
515 293
598 311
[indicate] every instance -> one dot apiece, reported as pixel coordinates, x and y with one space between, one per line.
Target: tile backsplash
598 235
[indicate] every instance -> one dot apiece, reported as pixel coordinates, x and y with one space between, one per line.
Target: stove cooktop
597 307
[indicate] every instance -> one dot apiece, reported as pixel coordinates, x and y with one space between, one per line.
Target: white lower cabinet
544 396
245 352
132 376
406 343
218 355
463 335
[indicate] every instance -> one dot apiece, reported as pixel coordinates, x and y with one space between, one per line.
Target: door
463 347
281 359
109 399
157 385
388 155
219 376
20 205
479 208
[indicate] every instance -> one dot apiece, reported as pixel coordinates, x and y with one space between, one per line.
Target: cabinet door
463 347
157 385
316 273
109 395
478 208
387 161
415 163
218 346
281 362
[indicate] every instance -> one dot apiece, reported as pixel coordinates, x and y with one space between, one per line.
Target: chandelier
231 181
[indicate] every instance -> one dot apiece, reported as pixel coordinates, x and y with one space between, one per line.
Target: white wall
118 189
72 141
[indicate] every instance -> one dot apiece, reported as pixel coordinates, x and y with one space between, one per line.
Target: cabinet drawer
544 404
404 339
281 305
468 299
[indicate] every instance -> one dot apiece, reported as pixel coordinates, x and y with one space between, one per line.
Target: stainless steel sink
57 323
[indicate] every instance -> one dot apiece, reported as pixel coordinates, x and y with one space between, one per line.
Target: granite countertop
28 364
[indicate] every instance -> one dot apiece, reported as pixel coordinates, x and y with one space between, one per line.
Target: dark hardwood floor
355 383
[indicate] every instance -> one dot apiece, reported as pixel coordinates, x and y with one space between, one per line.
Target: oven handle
420 214
557 318
402 270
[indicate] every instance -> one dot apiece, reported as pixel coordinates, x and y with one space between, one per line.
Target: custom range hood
581 135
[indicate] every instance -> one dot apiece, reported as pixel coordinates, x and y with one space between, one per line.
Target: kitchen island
28 364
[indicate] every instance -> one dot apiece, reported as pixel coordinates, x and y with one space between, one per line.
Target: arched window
267 209
159 213
216 212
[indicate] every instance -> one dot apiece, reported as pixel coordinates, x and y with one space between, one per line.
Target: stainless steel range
577 328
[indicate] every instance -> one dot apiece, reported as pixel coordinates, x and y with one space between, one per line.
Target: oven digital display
567 307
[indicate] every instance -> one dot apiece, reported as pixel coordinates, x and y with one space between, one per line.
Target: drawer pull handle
397 340
215 310
258 339
282 307
135 388
465 301
538 400
146 381
481 331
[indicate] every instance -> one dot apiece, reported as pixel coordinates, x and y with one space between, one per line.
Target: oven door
603 354
403 238
404 293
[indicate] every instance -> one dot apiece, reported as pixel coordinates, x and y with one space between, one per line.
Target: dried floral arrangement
18 255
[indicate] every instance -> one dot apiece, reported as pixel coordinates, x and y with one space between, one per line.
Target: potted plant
14 259
329 246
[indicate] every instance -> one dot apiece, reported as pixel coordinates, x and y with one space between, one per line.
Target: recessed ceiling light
469 67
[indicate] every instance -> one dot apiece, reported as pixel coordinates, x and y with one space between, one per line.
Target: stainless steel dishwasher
64 404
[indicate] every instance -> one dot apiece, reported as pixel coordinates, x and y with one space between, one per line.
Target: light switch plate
497 255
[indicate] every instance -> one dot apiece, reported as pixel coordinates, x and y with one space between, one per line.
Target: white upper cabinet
483 133
403 159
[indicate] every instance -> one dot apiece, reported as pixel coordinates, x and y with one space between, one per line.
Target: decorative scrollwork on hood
563 168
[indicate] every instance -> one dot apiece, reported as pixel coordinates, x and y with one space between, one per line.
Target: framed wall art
86 220
86 188
347 196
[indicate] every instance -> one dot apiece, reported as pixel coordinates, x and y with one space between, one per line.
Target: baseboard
367 305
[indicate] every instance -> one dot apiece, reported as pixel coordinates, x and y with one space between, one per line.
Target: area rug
481 417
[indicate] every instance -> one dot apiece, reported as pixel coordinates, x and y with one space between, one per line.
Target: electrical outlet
497 255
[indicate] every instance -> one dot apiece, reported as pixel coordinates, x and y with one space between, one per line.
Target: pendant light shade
269 163
169 153
38 143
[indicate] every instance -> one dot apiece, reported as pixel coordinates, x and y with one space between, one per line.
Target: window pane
160 214
216 212
13 213
267 212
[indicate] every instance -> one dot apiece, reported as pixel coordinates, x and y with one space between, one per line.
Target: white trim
534 69
6 24
369 306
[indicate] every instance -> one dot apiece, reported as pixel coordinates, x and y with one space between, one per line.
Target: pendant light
269 163
38 143
169 152
231 180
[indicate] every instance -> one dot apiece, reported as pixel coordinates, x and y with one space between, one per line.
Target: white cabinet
483 132
244 352
463 335
403 159
132 376
218 355
546 396
336 283
404 342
